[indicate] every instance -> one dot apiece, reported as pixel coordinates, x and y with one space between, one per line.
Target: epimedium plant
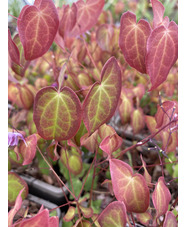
71 72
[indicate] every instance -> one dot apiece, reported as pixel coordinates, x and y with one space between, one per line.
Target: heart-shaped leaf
133 39
162 53
170 220
13 50
114 215
161 197
68 19
102 99
15 184
87 15
158 12
37 26
128 187
57 115
28 152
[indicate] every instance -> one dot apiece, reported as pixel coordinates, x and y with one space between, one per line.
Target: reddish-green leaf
16 207
28 152
40 219
146 175
57 115
128 187
68 19
170 220
86 211
87 15
114 215
161 197
37 26
70 214
133 39
151 125
162 53
90 142
13 50
104 36
138 120
125 107
111 143
144 218
102 99
15 184
168 110
20 70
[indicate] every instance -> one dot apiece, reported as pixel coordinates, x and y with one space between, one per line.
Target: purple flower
13 138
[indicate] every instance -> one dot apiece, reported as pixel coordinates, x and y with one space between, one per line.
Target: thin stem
55 173
12 16
88 52
90 200
85 179
146 140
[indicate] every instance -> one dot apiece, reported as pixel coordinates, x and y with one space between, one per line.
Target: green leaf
57 115
77 184
15 184
88 183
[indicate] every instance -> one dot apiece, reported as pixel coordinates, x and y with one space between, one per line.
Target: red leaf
162 53
40 219
13 50
102 99
128 187
57 115
158 12
170 220
87 15
161 197
113 215
28 152
37 26
68 19
133 39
